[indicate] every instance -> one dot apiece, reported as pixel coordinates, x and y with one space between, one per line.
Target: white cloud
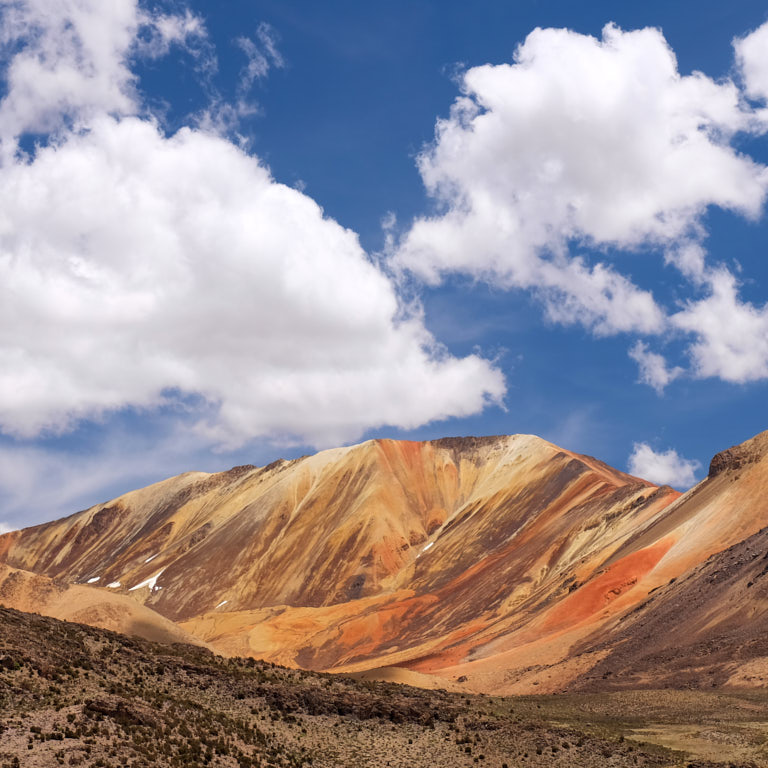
653 367
137 268
690 258
580 141
752 60
71 63
664 467
165 30
224 116
73 58
262 55
597 297
132 264
731 335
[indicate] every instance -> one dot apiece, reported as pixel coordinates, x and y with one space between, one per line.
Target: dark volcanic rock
739 456
730 459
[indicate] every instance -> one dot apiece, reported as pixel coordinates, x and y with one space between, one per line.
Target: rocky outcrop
732 459
739 456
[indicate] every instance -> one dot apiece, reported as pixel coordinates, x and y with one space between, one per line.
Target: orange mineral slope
568 637
425 555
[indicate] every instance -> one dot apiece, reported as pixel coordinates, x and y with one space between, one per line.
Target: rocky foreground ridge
74 695
498 564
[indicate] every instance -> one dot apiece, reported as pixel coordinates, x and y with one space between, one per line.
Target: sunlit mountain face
508 562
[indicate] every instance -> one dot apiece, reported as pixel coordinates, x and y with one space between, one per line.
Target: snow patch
151 583
93 580
150 559
431 543
223 602
114 585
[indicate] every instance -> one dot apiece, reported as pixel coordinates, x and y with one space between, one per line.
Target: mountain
707 629
498 564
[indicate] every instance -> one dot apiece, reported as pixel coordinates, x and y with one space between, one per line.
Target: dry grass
76 696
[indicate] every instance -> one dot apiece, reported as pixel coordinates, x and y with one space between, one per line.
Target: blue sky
242 232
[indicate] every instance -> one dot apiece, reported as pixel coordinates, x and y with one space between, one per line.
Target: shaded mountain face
486 560
80 603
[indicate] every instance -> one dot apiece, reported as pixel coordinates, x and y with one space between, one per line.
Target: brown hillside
551 651
33 592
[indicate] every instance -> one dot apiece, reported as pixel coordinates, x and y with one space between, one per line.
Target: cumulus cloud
752 60
654 370
690 258
582 145
138 268
663 467
69 62
579 141
731 334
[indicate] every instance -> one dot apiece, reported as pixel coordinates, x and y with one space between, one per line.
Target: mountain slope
490 560
556 648
381 553
27 591
709 627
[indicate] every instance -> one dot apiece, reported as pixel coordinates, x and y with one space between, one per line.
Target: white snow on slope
431 544
151 583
